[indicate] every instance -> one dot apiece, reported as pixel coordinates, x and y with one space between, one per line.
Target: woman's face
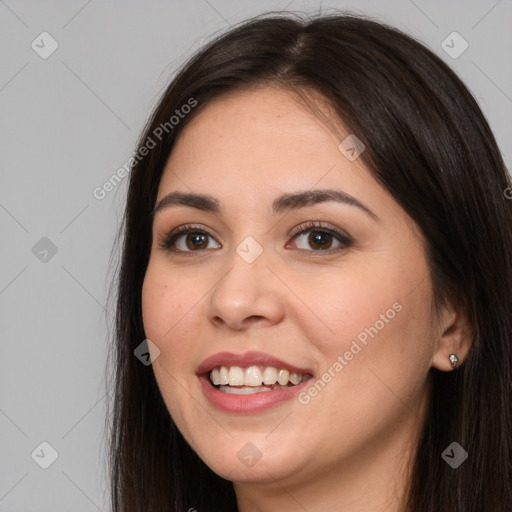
351 311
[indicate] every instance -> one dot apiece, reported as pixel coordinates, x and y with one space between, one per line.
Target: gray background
68 122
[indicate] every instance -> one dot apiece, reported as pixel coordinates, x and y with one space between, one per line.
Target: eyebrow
283 203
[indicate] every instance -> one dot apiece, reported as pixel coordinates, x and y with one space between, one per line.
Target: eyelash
170 238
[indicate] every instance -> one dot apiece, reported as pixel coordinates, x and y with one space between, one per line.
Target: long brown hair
428 143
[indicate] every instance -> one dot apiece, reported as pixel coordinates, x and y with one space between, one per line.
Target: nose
248 293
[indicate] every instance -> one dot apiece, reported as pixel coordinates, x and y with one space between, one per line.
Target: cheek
169 321
376 360
173 302
165 302
342 306
374 318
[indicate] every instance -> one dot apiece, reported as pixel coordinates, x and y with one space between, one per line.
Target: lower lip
255 402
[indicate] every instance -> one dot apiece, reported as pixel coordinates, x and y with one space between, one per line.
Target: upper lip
247 359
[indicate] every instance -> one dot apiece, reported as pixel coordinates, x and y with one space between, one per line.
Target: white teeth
295 378
270 375
214 376
253 377
223 376
243 390
236 376
283 376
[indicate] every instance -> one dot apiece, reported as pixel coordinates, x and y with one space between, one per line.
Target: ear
455 337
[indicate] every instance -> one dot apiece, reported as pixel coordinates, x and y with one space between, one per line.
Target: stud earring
453 360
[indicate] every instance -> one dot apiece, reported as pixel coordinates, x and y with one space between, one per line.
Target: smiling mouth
237 380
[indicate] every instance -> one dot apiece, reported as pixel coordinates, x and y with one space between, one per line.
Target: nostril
254 318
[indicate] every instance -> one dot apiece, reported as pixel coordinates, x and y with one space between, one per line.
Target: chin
261 472
241 460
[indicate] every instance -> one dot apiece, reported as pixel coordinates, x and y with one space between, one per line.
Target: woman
317 263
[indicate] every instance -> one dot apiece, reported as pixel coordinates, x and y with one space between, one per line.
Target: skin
349 447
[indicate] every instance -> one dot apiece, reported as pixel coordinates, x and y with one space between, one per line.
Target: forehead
258 138
247 149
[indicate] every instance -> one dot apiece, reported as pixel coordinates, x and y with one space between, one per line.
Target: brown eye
320 240
188 239
196 240
316 238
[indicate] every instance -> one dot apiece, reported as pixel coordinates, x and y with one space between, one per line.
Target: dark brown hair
428 143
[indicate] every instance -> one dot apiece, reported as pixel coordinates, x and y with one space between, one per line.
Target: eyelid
342 237
170 237
321 226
